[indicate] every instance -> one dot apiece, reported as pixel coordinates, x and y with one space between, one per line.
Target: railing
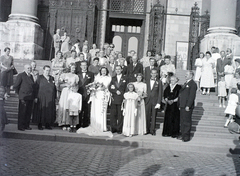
128 6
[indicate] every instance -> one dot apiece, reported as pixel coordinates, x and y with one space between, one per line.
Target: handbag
14 71
234 127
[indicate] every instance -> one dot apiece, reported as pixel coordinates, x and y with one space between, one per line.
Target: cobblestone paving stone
34 158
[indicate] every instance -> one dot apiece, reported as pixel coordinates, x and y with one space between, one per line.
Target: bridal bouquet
93 87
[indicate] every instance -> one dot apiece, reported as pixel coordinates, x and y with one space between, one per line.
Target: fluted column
103 19
24 10
222 31
223 16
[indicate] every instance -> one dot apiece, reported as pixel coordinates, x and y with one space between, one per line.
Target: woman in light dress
198 64
6 69
100 99
145 60
65 43
130 111
141 89
94 50
69 80
229 74
207 78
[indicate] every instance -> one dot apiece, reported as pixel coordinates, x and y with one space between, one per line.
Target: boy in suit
153 100
186 99
117 88
134 68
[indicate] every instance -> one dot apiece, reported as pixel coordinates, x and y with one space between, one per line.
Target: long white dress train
98 118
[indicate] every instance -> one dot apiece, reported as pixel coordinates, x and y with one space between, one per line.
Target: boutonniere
112 87
187 86
124 81
87 77
53 82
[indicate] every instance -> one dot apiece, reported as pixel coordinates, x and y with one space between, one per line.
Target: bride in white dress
99 98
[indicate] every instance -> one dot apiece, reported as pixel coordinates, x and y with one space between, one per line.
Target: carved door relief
155 42
76 17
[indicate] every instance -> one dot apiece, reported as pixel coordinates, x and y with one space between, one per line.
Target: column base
25 39
222 41
22 17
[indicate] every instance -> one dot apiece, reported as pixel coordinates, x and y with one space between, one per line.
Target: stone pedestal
22 33
222 32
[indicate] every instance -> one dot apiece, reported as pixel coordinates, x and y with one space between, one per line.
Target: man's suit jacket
132 71
78 67
25 87
124 70
89 78
148 73
121 86
221 64
154 95
88 59
187 95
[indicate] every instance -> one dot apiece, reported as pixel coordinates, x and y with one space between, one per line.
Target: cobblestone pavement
29 157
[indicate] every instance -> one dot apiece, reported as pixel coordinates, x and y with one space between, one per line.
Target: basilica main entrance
126 35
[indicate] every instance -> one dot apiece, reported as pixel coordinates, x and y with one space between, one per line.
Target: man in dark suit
24 87
153 101
117 88
87 56
148 69
134 68
85 77
221 63
186 99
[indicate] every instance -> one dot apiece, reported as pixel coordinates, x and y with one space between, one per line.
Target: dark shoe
48 127
153 133
179 137
21 129
40 128
174 136
28 128
71 130
165 135
186 140
119 132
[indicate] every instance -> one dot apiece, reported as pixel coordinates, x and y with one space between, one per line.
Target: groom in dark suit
153 100
85 77
117 88
25 88
186 99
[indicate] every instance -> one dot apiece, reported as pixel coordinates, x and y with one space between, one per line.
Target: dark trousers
84 116
185 123
24 113
151 113
116 118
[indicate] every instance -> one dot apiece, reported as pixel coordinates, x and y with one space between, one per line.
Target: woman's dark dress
46 108
171 124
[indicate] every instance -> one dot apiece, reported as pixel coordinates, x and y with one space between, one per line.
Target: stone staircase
208 118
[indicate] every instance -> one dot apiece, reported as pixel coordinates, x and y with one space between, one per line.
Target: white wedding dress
98 117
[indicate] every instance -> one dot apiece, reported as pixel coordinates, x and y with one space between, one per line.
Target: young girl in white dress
229 73
130 111
222 92
231 107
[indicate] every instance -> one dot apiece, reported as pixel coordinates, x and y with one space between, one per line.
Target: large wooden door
126 38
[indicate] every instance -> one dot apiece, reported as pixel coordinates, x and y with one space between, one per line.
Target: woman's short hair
46 66
131 83
100 70
72 64
59 52
96 58
139 74
202 54
167 57
149 51
7 48
208 52
234 90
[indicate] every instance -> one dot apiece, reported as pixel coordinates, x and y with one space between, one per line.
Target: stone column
103 23
222 31
21 32
24 10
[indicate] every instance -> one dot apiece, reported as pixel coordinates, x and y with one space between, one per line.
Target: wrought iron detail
155 40
128 6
